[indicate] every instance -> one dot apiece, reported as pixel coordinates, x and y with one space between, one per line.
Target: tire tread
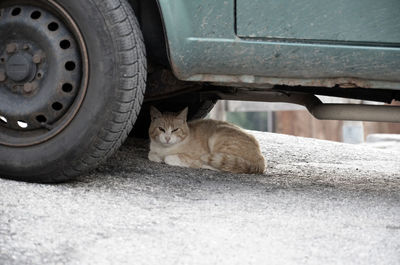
131 57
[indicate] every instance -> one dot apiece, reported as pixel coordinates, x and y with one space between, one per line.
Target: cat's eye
161 129
174 130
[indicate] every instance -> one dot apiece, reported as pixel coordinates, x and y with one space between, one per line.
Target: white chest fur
158 151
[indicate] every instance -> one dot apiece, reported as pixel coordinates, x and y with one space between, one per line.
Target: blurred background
295 120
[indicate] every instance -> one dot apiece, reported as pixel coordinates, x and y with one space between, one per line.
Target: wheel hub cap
19 67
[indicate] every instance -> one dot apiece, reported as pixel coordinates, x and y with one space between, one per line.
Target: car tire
201 109
113 96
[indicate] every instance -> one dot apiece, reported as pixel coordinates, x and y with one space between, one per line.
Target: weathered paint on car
367 21
204 46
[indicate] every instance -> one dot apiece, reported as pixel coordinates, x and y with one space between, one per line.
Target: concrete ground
319 202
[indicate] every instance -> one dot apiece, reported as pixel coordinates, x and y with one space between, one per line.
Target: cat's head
168 128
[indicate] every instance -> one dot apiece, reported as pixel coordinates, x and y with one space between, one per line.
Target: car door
337 22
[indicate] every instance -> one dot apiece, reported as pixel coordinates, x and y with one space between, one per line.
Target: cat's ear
154 113
183 114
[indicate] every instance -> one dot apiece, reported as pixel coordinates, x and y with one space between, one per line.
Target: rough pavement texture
319 202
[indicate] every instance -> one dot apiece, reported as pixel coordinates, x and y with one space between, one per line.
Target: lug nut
28 87
2 76
11 48
38 57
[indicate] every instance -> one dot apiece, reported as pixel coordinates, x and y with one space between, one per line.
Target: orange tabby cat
207 144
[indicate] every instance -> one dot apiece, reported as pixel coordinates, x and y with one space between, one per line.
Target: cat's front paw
174 160
154 157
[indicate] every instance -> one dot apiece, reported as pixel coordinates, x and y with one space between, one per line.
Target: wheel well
150 20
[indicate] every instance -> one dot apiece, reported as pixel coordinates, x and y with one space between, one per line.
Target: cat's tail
235 164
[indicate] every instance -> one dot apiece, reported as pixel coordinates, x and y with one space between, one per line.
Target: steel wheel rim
49 71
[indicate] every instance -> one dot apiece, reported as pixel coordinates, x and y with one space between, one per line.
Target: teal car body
288 42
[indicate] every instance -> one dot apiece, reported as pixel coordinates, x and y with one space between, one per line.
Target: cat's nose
167 138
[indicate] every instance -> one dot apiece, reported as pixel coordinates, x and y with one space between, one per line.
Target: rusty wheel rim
43 71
